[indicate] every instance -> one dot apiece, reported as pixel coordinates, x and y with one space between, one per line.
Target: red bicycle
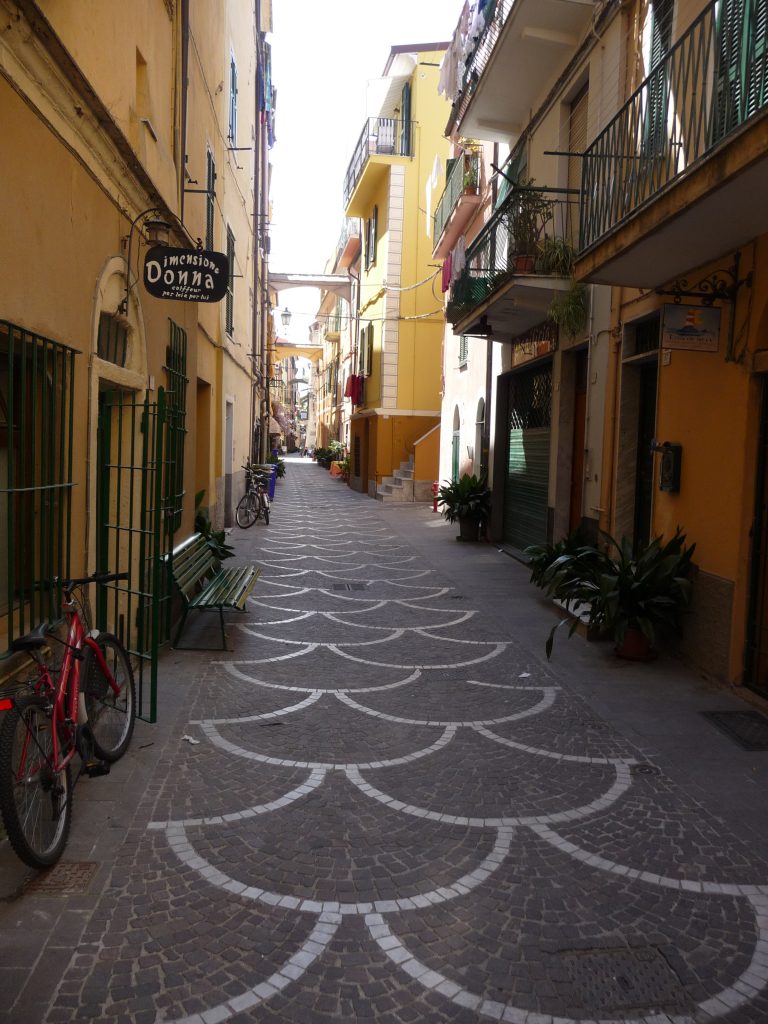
87 707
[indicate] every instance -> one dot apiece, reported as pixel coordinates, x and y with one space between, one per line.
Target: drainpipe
607 488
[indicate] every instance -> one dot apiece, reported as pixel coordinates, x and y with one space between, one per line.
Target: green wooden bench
203 584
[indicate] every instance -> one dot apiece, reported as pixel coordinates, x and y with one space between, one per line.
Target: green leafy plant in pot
630 597
468 501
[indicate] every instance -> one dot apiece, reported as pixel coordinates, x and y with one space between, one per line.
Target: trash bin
271 469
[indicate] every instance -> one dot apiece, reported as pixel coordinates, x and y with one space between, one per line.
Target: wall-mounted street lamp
285 317
158 232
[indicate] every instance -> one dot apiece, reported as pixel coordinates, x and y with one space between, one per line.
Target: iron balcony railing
530 233
477 59
381 136
713 80
464 178
350 228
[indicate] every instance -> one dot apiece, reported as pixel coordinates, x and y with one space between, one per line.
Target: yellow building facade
113 403
398 343
674 217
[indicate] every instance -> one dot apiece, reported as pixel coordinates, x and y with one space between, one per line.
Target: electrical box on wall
669 467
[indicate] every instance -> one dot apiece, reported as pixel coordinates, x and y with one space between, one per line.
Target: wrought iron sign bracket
721 284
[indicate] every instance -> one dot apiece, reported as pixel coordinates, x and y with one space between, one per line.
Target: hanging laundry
447 275
459 260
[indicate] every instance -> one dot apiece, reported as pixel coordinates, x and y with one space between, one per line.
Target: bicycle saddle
32 641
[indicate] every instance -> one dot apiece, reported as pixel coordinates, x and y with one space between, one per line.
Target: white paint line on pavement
544 704
555 755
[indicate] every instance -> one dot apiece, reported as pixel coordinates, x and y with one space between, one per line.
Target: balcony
457 203
350 240
516 266
677 179
520 51
381 140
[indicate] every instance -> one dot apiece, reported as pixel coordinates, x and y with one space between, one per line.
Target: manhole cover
644 769
64 879
636 980
747 728
349 586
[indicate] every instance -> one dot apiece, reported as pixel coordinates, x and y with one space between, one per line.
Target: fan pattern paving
397 813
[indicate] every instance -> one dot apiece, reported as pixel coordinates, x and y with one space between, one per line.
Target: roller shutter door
527 481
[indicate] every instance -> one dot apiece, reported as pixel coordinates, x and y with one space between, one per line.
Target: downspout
256 231
607 484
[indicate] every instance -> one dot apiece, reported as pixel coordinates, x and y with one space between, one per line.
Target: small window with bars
230 305
112 344
36 425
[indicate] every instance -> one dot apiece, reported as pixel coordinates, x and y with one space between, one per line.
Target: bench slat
203 583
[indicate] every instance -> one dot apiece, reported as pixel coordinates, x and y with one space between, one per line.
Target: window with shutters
371 238
365 356
230 306
662 17
577 143
463 350
210 199
741 89
232 100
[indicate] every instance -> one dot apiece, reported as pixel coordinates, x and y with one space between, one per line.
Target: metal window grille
210 199
230 309
530 404
36 422
112 342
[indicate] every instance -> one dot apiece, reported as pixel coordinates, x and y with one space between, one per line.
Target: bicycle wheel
265 508
35 800
246 512
111 715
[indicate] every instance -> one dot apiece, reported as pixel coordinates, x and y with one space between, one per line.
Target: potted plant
557 257
528 214
467 500
629 597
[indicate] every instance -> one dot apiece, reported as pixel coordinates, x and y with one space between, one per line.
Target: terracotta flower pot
635 646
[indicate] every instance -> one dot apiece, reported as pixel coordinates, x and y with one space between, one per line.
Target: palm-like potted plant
529 213
630 597
468 501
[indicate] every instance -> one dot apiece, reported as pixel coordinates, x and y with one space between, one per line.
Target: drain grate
644 769
747 728
349 586
635 980
67 878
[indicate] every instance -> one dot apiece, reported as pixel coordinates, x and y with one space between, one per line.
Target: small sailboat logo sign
691 327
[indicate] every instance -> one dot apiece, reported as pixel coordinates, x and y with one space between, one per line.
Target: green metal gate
138 512
527 480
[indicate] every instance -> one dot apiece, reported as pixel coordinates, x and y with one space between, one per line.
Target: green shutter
527 480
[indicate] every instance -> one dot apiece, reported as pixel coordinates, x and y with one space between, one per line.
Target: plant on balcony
470 180
570 310
467 500
528 214
557 257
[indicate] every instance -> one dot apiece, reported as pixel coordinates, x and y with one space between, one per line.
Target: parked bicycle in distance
86 707
254 504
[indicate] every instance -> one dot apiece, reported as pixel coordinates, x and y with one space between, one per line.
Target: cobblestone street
384 804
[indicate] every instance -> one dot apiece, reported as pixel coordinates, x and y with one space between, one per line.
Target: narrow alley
383 804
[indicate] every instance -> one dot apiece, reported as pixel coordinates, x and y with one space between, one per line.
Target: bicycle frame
66 711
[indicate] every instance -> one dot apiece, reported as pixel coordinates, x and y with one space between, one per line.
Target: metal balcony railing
529 234
350 228
477 60
713 80
381 136
464 177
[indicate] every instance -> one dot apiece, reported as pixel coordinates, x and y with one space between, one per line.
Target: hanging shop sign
691 327
187 275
